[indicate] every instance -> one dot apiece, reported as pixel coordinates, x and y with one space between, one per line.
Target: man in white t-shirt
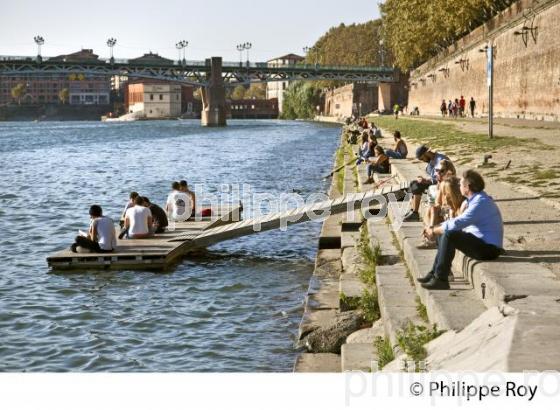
101 236
178 205
137 220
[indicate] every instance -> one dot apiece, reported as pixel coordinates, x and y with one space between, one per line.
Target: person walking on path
478 232
472 106
443 108
396 109
462 105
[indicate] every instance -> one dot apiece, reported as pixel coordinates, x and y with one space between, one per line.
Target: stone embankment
364 310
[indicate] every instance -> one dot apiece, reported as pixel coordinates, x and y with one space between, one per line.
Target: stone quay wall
526 66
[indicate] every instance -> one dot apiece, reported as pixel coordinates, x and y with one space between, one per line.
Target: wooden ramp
162 250
282 219
156 252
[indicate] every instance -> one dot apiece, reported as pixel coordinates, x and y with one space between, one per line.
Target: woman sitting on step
379 163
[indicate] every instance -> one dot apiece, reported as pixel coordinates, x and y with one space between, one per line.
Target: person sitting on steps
401 150
379 164
478 232
421 184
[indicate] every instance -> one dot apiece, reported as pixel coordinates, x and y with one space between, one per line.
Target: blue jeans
371 168
394 154
467 243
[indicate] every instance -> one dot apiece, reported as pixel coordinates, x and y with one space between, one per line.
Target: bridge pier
214 96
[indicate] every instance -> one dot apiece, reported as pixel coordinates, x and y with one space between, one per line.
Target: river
234 308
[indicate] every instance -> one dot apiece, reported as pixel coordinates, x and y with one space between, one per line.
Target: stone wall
351 99
526 68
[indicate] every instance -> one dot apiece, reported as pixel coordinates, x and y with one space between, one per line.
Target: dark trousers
467 243
87 243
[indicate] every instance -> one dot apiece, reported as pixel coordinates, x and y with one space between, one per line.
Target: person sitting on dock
178 205
159 218
379 164
133 195
138 220
184 187
421 184
478 232
363 123
401 150
101 235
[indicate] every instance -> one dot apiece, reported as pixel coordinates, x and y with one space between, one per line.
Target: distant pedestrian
472 106
450 108
462 105
396 109
443 108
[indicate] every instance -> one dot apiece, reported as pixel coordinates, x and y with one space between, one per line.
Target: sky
212 27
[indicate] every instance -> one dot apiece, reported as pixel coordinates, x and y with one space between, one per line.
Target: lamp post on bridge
39 40
240 48
111 43
182 45
247 47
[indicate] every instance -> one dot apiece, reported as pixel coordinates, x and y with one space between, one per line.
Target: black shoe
436 284
427 278
411 216
73 248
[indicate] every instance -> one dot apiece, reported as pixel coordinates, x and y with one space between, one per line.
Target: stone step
317 363
449 309
397 300
329 237
349 239
367 335
358 357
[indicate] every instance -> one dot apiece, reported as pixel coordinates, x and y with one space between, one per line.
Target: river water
235 308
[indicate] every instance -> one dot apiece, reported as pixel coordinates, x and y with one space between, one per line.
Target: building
253 108
153 99
352 99
275 89
83 89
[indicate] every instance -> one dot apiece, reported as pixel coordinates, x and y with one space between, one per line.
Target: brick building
352 99
83 89
252 108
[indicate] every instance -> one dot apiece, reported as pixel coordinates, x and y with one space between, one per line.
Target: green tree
256 91
63 95
300 100
238 93
18 92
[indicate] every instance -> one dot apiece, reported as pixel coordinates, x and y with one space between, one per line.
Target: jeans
394 154
87 243
371 168
467 243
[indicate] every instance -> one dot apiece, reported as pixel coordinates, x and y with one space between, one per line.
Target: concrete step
330 232
323 293
317 363
451 309
358 357
397 300
367 335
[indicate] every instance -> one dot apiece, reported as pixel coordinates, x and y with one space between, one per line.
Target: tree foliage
300 100
18 92
238 93
416 30
63 95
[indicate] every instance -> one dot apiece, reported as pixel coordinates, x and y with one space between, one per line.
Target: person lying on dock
478 232
421 184
178 205
138 220
133 195
101 234
401 150
184 187
379 164
159 218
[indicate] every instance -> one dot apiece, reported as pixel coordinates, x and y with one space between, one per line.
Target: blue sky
212 27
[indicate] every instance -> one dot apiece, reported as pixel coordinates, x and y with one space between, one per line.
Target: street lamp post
247 47
39 40
489 50
182 45
240 48
111 43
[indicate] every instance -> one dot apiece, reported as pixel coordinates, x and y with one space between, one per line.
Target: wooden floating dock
164 249
157 252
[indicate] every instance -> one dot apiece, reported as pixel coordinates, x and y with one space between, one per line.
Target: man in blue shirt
478 232
420 185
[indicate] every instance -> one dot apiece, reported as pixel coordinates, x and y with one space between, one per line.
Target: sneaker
427 244
411 216
73 248
436 284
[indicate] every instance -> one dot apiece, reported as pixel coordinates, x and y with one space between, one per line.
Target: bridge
212 75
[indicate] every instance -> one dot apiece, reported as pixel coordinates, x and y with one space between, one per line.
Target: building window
161 97
151 98
283 86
